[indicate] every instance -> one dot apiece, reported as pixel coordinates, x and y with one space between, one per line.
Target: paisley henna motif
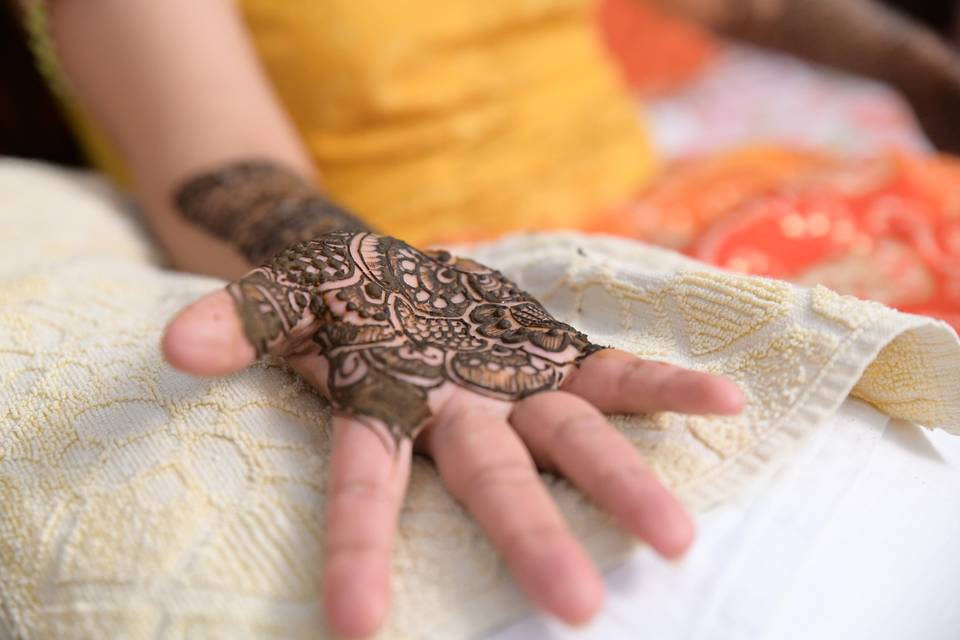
392 322
395 323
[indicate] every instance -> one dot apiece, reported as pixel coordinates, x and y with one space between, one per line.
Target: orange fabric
459 121
886 229
690 194
657 53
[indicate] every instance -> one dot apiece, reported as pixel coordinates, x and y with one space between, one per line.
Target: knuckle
489 477
667 381
623 485
574 426
354 547
467 430
361 491
527 411
540 536
633 371
625 475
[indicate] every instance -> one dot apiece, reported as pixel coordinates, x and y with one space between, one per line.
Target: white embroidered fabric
139 502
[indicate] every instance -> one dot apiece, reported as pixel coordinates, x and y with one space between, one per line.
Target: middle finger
487 468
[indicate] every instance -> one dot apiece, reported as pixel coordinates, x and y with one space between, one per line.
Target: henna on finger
395 323
392 322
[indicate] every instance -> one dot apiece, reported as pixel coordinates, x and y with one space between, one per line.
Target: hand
419 349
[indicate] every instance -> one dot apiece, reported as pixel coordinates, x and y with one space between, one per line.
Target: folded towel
140 502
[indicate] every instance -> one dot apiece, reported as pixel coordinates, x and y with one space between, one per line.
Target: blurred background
32 126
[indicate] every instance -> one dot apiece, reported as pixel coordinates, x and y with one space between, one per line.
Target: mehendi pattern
260 207
395 323
392 322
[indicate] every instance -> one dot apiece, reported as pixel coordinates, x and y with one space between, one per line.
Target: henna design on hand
395 323
392 323
260 208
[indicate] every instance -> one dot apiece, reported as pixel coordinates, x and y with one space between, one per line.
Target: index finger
618 382
364 494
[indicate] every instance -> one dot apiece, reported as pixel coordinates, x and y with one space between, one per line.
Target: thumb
207 338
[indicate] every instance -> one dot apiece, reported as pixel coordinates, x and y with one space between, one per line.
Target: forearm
861 36
259 208
179 92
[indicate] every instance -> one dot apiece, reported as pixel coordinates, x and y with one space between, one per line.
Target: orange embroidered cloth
886 229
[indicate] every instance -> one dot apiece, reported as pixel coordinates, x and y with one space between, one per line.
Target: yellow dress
453 119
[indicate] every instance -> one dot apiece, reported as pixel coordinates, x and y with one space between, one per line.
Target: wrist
260 208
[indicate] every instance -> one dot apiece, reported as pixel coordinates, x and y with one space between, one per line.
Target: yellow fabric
452 119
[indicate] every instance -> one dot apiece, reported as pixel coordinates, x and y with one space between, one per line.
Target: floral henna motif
392 322
395 323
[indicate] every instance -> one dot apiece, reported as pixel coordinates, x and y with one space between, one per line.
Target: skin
487 452
457 363
176 107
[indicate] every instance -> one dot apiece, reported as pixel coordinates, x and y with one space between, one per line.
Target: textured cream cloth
138 502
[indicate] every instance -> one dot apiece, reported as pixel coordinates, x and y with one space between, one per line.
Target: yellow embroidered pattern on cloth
138 502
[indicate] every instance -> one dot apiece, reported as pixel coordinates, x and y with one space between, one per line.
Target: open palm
420 349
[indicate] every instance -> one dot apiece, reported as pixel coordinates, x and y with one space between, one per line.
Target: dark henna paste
395 323
260 208
392 322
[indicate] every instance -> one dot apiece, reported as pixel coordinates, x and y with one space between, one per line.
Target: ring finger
364 494
567 433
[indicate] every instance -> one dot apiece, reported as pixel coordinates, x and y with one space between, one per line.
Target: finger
207 338
487 468
364 494
567 433
618 382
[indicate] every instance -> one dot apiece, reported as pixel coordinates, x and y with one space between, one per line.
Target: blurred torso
455 119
